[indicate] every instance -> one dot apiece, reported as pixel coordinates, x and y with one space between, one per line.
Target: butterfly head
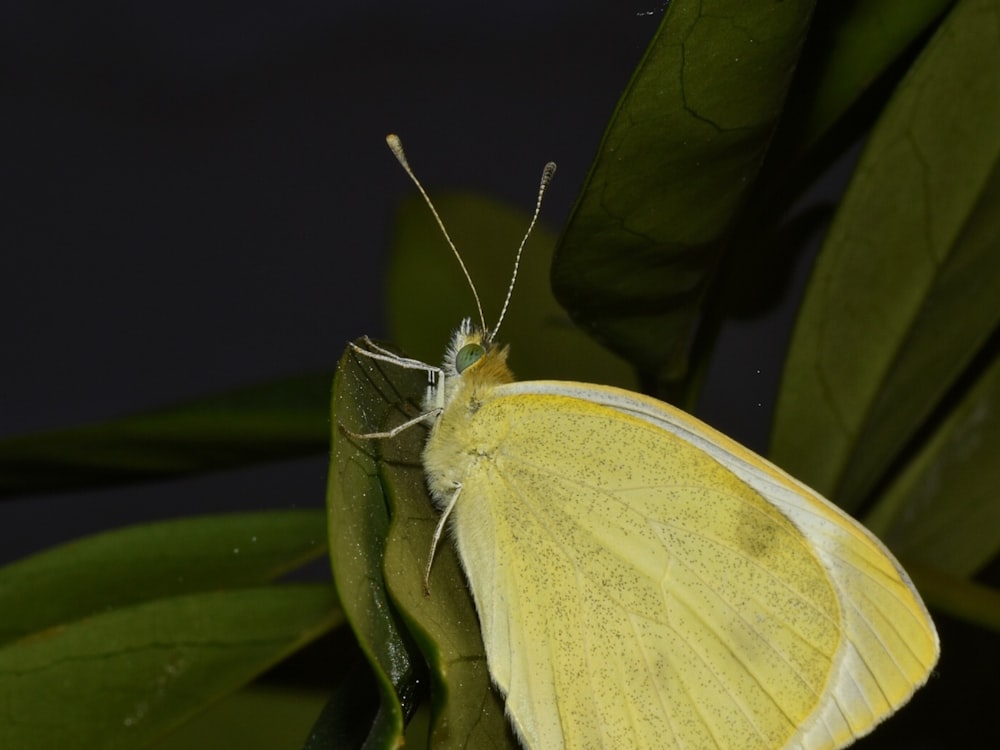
474 359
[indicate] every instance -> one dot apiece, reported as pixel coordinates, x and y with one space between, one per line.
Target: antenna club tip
396 146
548 173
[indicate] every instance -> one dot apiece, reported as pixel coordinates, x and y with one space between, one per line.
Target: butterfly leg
435 375
438 530
384 355
395 430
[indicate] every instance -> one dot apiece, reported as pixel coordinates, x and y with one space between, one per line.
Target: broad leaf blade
271 421
124 678
674 168
849 47
258 717
967 600
141 563
907 286
375 396
367 398
347 718
944 510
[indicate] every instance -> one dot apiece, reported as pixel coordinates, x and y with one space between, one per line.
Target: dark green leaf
467 711
121 679
850 46
267 422
346 719
944 509
365 400
907 286
257 717
152 561
673 170
970 601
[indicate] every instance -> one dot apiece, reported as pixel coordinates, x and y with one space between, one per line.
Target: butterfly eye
467 355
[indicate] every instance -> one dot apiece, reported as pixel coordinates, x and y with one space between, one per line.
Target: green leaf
907 286
675 167
124 678
943 511
545 344
141 563
346 719
267 422
258 717
366 399
968 600
850 46
372 396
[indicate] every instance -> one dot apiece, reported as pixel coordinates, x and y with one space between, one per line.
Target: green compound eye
467 355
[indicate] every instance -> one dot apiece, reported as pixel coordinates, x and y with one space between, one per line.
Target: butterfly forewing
644 576
627 597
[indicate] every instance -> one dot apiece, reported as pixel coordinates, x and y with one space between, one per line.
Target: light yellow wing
643 581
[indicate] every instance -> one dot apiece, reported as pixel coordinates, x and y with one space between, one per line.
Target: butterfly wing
642 581
890 644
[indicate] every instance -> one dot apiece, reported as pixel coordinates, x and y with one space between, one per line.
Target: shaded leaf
907 286
267 422
545 343
970 601
366 400
944 510
123 678
346 719
467 712
675 166
257 717
850 46
152 561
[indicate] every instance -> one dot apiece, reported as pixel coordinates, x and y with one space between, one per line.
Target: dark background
198 197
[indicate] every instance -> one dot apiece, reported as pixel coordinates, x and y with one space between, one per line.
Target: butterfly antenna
547 174
396 146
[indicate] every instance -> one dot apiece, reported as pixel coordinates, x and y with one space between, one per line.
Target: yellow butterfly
643 581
